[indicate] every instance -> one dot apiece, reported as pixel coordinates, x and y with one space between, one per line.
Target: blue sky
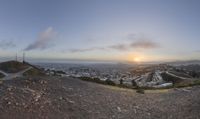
110 30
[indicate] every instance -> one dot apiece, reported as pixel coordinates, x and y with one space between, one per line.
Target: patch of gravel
69 98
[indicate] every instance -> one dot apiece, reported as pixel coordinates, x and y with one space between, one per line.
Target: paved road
9 76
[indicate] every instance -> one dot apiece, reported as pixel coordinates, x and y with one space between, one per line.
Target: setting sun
136 59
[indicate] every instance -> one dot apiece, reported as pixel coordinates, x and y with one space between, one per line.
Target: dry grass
12 66
34 72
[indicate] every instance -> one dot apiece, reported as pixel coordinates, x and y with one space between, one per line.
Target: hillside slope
54 97
12 66
1 75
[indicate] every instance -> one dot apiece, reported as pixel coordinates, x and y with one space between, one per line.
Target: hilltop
11 69
182 62
13 66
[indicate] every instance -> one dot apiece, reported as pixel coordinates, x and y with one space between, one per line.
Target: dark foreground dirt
59 98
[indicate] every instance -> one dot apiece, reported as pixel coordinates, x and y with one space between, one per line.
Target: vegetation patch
181 74
188 83
97 80
1 75
178 82
109 82
170 78
157 91
140 90
12 66
34 72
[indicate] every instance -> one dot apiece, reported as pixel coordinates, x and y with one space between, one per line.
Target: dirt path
178 76
69 98
10 76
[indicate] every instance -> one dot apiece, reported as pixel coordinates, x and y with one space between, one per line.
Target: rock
61 98
6 98
9 89
11 93
23 104
119 109
43 82
41 107
135 111
37 97
185 90
70 101
136 107
9 103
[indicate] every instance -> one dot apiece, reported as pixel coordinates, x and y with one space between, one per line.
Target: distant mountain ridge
188 62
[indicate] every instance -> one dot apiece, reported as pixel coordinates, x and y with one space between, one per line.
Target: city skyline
100 30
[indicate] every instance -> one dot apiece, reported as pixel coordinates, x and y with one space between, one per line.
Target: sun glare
136 59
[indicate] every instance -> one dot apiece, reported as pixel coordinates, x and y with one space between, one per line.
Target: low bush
1 75
97 80
140 90
34 72
109 82
170 78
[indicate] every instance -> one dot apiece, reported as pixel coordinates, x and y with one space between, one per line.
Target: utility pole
23 57
16 57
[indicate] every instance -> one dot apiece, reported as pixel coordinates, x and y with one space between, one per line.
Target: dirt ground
69 98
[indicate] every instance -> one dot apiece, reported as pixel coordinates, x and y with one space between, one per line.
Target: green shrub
33 72
1 75
109 82
170 78
97 80
60 72
140 90
134 83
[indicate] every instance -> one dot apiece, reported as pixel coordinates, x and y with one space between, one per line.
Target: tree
121 81
134 83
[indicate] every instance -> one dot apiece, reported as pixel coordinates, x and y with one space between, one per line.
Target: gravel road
69 98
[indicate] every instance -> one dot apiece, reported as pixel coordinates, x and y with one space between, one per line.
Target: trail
178 76
9 76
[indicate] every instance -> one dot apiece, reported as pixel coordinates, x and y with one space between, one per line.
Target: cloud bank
4 44
120 47
43 41
145 44
136 43
86 49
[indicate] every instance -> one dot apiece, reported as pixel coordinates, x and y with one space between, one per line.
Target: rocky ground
69 98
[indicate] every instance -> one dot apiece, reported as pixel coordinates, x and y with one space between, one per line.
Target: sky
100 30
